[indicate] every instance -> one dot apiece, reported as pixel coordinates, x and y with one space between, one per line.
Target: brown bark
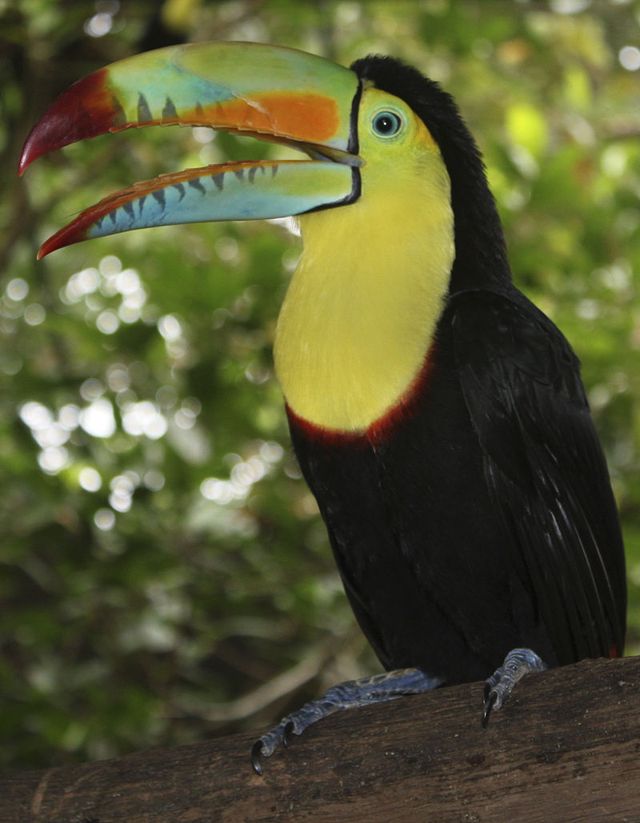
565 748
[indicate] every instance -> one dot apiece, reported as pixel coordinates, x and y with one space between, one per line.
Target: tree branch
565 748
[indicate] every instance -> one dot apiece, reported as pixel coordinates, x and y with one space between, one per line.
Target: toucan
437 415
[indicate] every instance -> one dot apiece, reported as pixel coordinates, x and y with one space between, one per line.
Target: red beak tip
32 149
24 162
47 247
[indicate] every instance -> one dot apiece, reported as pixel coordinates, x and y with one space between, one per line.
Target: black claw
286 734
256 750
488 706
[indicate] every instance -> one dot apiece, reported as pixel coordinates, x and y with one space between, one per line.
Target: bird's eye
386 123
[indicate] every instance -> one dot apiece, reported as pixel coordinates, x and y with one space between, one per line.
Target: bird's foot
348 695
499 686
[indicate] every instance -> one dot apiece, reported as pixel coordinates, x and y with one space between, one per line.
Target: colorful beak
268 92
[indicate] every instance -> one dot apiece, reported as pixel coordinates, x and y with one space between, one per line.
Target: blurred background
164 574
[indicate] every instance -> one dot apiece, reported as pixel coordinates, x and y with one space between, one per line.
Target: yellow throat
360 312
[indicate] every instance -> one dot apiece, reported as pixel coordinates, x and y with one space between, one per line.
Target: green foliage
161 558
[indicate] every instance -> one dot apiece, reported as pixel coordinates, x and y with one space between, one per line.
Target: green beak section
265 91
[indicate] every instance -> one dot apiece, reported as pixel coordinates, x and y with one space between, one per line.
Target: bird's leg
348 695
499 686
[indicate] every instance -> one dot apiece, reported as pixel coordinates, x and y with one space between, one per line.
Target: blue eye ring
386 123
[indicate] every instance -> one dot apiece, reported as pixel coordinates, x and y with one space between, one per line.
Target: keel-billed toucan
437 415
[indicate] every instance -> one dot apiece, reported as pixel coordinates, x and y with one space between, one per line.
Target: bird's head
375 127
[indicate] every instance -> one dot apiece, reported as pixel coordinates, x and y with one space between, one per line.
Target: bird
438 416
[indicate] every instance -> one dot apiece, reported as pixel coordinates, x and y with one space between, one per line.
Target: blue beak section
230 191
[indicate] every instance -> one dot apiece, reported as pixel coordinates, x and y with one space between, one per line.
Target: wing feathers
521 384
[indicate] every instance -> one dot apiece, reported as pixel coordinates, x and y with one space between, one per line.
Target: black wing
545 468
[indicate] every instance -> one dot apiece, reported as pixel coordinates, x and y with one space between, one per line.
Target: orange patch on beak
310 118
